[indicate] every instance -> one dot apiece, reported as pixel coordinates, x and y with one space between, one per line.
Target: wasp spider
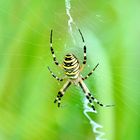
72 69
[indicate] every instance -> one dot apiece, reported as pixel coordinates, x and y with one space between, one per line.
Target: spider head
71 66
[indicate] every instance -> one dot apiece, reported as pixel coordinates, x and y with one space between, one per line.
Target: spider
73 69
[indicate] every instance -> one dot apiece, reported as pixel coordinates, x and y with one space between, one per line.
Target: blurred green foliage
27 90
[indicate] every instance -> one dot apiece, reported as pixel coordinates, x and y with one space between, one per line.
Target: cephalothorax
72 69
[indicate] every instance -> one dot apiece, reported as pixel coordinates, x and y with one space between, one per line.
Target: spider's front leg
87 93
89 96
61 92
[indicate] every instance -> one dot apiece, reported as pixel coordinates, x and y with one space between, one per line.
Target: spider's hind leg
85 56
52 51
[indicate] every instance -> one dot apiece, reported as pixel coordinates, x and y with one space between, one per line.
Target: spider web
27 89
87 109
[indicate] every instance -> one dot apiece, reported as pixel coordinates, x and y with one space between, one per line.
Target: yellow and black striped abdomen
71 66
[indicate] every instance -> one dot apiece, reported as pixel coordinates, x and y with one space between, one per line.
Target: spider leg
85 57
96 101
61 92
86 91
89 74
57 78
52 51
89 96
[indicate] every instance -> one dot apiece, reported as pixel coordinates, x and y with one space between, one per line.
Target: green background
27 90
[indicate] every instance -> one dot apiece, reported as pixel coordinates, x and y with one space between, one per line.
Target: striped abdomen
71 66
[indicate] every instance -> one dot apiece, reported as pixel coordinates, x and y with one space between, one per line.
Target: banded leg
61 92
90 97
85 57
57 78
89 74
86 91
52 51
96 101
